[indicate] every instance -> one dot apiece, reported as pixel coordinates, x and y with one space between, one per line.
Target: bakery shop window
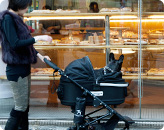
96 23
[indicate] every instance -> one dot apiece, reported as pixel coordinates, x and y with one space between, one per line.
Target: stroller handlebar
52 65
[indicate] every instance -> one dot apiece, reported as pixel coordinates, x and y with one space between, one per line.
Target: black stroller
81 86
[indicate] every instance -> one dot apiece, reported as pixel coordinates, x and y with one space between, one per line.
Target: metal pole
140 85
107 34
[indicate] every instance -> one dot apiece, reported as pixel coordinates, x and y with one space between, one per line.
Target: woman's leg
24 124
21 91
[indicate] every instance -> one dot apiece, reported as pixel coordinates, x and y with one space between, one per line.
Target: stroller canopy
81 70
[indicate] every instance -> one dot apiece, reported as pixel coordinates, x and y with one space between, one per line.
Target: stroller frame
97 101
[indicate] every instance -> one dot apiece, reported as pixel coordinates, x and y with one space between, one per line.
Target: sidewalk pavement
65 124
37 127
63 128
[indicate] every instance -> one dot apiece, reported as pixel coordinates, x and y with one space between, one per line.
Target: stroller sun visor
81 69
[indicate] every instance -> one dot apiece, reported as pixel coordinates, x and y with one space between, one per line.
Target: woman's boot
14 119
24 124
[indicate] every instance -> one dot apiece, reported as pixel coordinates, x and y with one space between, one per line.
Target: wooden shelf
124 77
119 46
144 14
78 14
99 47
68 47
97 28
37 77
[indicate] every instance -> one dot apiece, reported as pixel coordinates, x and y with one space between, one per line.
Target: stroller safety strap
114 85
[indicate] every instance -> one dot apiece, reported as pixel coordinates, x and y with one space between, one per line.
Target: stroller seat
109 87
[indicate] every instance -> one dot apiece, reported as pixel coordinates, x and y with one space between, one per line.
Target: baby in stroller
81 86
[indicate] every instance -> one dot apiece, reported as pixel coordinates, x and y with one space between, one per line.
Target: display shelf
96 28
68 46
126 15
99 47
152 13
37 77
124 77
34 16
84 28
79 14
45 78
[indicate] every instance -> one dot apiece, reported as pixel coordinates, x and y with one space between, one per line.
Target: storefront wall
137 36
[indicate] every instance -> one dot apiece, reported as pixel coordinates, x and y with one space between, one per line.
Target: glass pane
79 29
152 59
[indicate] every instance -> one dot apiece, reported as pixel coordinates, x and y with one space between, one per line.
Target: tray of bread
134 42
125 9
42 71
113 34
95 40
156 71
159 34
68 41
133 71
67 32
67 11
86 43
47 11
156 41
45 43
153 41
160 41
116 41
129 34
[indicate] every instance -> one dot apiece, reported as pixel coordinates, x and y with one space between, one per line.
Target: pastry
153 41
42 71
161 41
126 9
129 34
109 10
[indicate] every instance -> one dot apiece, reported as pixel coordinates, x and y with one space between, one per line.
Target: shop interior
138 36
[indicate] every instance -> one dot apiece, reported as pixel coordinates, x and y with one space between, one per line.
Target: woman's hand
42 57
43 38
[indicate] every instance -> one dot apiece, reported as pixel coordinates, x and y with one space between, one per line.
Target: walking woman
18 53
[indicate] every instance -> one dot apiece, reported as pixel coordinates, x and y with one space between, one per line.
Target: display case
142 47
120 36
138 39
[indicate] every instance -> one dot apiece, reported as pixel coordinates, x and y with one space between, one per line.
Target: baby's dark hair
19 4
